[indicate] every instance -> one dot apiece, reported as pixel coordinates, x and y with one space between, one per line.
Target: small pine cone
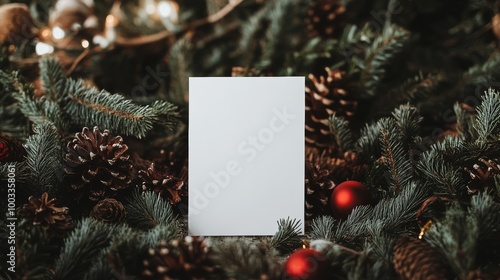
325 96
97 164
482 175
479 275
186 259
323 17
109 210
160 180
416 260
43 212
11 149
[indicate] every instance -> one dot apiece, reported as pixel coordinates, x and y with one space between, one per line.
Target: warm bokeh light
45 33
165 8
42 48
58 33
85 43
111 21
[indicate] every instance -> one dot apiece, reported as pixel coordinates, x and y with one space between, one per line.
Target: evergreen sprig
147 210
81 248
44 158
287 238
488 116
52 77
341 132
323 228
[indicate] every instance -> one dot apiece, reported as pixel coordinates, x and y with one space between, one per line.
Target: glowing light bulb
45 33
165 8
58 33
111 21
150 7
85 43
42 48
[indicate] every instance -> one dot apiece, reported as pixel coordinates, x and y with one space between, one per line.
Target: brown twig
77 61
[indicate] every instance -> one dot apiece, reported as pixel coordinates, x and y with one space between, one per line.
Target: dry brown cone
323 17
185 259
160 180
43 212
416 260
97 164
479 275
322 173
11 149
109 210
326 96
16 24
482 175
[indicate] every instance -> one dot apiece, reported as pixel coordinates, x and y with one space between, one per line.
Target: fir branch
287 238
441 174
339 128
483 73
147 210
408 122
377 56
88 106
52 78
81 248
488 116
420 86
243 259
369 141
43 158
353 228
163 231
180 69
395 157
456 238
100 268
486 212
322 228
38 251
41 110
465 123
397 215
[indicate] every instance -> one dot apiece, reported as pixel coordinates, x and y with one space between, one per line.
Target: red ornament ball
346 196
306 264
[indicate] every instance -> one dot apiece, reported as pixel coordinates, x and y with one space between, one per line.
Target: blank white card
246 154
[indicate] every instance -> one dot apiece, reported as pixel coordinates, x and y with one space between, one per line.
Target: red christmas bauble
346 196
306 264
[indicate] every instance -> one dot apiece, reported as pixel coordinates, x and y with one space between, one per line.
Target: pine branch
52 78
483 73
243 259
353 228
456 238
369 141
38 252
180 69
465 123
88 106
81 248
441 174
147 210
379 54
287 238
488 116
486 212
408 122
419 87
395 156
341 132
322 228
44 158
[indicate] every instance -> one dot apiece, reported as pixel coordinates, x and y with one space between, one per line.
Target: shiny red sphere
346 196
306 264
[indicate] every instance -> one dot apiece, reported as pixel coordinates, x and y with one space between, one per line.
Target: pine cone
323 17
11 149
108 210
325 96
482 175
43 212
16 24
322 171
97 165
415 259
186 259
160 180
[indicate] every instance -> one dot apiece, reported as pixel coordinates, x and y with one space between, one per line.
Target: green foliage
43 159
147 210
341 132
53 79
81 248
441 175
322 228
383 48
456 237
488 116
287 238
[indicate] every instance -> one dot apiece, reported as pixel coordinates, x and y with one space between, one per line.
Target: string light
150 7
58 33
165 9
45 33
42 48
111 21
85 44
